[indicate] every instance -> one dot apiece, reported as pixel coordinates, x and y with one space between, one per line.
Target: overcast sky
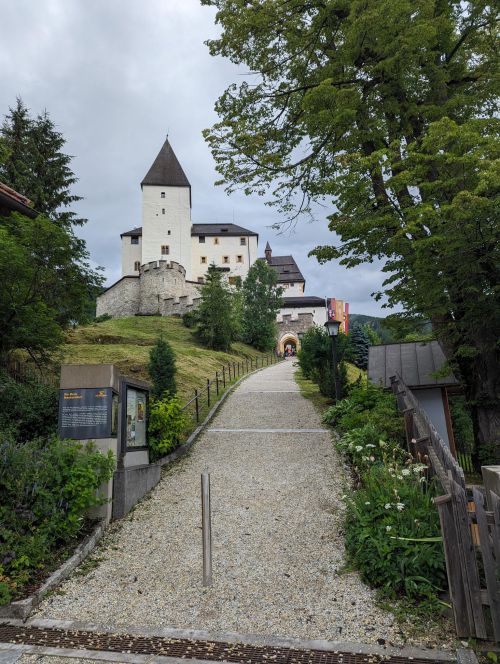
116 76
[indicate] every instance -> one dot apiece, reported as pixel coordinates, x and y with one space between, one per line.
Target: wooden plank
468 557
495 531
438 469
489 564
466 656
464 623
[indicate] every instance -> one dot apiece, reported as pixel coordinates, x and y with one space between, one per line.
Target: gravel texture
277 535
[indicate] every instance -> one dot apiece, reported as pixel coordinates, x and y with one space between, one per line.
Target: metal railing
204 397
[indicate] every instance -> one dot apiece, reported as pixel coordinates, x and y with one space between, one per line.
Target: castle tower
166 211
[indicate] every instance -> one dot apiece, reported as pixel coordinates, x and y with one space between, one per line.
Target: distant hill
376 323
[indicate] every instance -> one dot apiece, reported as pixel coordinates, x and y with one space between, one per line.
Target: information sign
85 413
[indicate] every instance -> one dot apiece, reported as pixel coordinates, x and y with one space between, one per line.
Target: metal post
217 382
208 392
229 371
224 377
197 406
334 360
234 370
206 529
247 364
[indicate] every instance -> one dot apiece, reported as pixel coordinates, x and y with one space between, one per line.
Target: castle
164 261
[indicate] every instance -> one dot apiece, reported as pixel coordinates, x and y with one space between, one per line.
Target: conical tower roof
166 170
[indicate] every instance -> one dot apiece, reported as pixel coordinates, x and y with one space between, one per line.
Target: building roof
287 269
166 170
231 230
12 201
414 361
134 231
304 301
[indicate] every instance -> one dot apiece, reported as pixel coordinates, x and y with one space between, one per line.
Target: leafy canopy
162 369
385 109
215 325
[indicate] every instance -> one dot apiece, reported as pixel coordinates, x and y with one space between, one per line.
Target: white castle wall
317 314
297 290
172 228
122 299
131 253
214 253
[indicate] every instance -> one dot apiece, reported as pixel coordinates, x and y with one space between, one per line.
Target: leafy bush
393 533
46 487
367 404
190 319
315 360
102 318
167 424
28 410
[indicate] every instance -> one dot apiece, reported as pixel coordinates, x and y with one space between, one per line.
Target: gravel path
277 535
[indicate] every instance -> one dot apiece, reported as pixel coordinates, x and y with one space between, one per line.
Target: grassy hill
126 342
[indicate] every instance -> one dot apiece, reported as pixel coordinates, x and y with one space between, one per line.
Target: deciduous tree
261 303
384 109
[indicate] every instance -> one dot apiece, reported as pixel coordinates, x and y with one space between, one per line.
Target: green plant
215 325
393 533
167 424
189 319
102 318
28 410
162 369
315 360
46 488
261 297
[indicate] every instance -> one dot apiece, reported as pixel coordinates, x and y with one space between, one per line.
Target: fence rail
470 525
22 372
229 373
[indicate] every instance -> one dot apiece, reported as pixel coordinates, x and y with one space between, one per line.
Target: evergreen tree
360 343
162 369
36 165
215 316
261 303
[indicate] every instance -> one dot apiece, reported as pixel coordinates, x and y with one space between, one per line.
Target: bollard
224 377
208 392
217 382
197 406
206 527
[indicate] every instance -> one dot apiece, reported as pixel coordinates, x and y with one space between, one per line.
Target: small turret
268 252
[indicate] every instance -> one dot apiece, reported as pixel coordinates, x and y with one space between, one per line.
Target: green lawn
126 342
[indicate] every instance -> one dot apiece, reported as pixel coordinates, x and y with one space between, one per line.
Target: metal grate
184 648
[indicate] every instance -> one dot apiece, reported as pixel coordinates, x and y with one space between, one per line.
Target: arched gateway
288 340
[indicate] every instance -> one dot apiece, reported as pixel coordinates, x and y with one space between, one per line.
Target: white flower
367 502
405 472
388 528
387 506
400 506
400 477
369 445
344 496
372 458
422 479
358 448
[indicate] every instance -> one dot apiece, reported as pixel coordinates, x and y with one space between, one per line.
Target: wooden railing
470 525
22 372
226 376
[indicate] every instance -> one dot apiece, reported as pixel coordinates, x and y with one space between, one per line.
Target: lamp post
333 327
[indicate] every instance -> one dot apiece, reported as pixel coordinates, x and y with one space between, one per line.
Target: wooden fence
22 372
470 525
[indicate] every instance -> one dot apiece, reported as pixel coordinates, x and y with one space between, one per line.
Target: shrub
28 410
315 360
190 319
162 369
102 318
46 487
167 424
392 533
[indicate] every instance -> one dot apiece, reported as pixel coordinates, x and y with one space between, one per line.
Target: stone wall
160 289
295 324
121 299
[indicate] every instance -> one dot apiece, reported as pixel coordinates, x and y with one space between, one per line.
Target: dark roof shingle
304 301
166 170
287 269
230 230
414 361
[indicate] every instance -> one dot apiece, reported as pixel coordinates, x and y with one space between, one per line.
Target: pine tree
360 342
36 166
261 303
162 369
216 326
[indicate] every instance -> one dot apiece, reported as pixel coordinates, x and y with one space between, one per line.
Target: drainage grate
183 648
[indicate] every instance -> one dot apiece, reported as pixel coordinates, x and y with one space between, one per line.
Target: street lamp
333 327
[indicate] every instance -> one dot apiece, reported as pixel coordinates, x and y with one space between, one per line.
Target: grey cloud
116 76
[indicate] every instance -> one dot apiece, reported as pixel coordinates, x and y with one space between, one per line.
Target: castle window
225 259
216 240
292 285
134 239
201 239
162 194
163 210
137 266
168 232
203 259
165 250
239 259
243 241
